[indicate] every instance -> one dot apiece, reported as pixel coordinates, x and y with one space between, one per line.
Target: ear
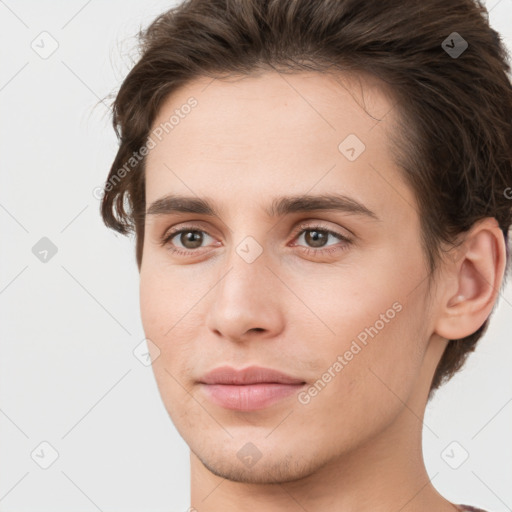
472 281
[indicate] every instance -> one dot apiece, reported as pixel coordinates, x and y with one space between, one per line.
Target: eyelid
303 226
169 233
319 224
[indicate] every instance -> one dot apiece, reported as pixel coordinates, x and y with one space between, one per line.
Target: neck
379 476
385 472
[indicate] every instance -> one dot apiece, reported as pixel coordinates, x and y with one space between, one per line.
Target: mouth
249 389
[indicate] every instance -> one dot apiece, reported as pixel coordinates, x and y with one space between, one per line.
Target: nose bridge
248 253
244 297
247 273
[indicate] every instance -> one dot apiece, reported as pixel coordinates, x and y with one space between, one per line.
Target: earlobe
473 281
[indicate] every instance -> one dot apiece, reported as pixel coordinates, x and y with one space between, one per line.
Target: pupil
194 237
317 238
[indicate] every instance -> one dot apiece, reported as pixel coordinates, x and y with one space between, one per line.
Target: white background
69 326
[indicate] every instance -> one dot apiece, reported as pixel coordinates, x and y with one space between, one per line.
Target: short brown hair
454 145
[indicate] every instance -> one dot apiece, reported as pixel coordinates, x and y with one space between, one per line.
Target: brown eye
191 239
186 241
315 238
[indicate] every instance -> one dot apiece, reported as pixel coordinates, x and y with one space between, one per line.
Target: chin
266 472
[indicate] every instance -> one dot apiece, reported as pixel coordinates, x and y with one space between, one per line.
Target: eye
191 238
316 236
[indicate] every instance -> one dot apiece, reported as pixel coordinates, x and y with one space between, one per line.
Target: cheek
169 320
151 305
375 329
160 310
161 295
350 303
159 314
372 380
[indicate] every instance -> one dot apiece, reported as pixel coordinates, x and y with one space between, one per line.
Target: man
318 191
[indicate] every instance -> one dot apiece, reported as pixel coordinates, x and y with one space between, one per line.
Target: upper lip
250 375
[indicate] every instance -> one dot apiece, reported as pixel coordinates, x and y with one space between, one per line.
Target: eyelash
169 235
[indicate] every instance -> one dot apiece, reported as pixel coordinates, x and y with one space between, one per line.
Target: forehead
276 132
260 104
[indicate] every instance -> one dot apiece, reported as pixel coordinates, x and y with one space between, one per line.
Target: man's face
349 319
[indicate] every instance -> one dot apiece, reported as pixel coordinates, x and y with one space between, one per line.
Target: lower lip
249 397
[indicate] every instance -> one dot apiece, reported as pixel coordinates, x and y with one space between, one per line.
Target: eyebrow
279 207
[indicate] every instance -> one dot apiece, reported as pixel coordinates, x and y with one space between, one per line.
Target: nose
245 301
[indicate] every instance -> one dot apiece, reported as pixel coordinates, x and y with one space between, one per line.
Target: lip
248 389
249 375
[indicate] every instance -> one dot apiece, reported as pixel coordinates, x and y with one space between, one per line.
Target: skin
357 445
